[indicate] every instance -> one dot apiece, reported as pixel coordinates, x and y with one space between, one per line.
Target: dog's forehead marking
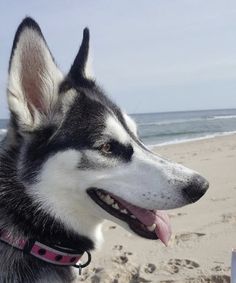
68 99
114 129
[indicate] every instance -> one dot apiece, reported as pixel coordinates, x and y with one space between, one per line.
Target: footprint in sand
184 237
175 265
206 279
228 218
121 258
118 247
220 268
220 278
212 278
150 268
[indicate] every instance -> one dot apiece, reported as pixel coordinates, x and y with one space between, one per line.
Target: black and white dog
71 158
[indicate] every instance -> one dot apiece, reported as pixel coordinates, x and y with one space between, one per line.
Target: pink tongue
149 217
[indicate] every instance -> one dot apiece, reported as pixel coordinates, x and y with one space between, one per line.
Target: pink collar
55 255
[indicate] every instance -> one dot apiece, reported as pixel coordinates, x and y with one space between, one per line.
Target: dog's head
80 156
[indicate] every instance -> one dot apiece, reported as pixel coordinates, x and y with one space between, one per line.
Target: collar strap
55 255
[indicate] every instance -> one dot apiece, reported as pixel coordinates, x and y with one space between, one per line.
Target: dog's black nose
196 188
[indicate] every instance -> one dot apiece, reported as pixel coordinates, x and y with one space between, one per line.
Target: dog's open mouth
149 224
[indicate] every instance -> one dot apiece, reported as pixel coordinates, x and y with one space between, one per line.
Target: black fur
22 155
77 74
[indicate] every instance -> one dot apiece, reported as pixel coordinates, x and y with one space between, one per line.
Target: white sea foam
176 121
223 117
177 141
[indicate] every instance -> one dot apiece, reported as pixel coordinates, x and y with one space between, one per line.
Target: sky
149 56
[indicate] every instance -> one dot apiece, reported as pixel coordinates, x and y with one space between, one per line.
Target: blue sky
150 56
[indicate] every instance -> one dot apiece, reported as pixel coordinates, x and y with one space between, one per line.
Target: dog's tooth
102 196
152 227
124 211
116 206
109 200
132 216
108 197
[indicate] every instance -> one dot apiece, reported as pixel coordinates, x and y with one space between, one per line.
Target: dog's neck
22 217
17 267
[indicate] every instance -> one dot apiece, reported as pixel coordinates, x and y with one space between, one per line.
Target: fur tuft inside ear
33 77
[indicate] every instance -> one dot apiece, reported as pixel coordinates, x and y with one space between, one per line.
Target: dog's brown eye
106 148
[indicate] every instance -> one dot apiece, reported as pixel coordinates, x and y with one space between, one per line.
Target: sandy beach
204 233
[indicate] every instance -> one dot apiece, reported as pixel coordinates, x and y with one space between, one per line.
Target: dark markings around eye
121 152
118 150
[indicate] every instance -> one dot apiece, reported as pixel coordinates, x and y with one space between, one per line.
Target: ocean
176 127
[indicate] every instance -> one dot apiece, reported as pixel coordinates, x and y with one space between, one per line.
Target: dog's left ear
34 78
80 72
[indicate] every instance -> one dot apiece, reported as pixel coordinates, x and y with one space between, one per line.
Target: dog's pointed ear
79 72
33 77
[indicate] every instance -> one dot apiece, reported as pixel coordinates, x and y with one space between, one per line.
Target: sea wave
190 120
171 134
223 117
177 141
169 122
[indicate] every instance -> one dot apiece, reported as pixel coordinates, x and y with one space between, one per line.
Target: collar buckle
81 266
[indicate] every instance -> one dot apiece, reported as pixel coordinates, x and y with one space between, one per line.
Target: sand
204 233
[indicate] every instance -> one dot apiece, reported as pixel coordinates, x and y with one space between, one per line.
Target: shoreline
223 134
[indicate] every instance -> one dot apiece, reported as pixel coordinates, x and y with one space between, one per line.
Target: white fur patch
89 71
131 124
61 191
67 100
115 130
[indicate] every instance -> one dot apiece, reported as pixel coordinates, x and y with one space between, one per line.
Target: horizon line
162 112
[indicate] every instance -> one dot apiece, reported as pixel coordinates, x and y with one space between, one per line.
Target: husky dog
71 158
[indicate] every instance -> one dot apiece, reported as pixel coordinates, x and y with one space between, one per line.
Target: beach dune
204 233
